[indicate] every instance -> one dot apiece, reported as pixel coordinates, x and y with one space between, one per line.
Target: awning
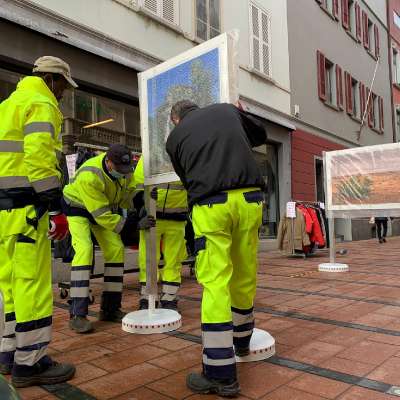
261 112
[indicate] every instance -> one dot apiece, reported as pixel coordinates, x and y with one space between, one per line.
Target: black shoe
170 305
384 240
5 369
144 304
55 373
112 316
80 324
381 241
199 383
242 351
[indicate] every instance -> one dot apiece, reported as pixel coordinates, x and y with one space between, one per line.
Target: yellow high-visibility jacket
30 145
171 197
95 190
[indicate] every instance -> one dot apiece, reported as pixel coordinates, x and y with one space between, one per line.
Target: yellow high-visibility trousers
172 235
113 253
226 241
25 282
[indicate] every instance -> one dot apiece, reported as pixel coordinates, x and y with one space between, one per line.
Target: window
352 16
260 40
330 82
328 5
207 19
396 66
355 99
370 34
319 180
396 19
165 9
375 111
331 7
327 89
398 123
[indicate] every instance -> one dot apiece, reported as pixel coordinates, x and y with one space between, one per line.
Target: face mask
116 174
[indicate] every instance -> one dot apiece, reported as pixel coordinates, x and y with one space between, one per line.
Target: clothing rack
316 252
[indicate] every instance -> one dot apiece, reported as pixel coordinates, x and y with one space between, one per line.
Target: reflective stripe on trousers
226 241
28 298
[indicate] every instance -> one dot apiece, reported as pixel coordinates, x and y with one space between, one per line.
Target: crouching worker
102 187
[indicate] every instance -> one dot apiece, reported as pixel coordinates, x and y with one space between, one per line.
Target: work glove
154 194
147 222
58 227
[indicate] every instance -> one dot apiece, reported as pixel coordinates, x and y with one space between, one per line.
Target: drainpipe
389 16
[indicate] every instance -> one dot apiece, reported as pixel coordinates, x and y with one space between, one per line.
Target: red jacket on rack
313 227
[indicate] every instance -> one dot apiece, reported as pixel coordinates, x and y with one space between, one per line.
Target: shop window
319 180
108 109
268 163
8 83
83 107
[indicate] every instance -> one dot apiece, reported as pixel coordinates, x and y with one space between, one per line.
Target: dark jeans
379 226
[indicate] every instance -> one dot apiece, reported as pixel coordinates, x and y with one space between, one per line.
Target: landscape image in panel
366 177
198 80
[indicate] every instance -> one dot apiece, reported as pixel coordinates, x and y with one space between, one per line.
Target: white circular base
333 267
262 346
159 321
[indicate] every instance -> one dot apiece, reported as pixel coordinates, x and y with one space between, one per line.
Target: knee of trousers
83 254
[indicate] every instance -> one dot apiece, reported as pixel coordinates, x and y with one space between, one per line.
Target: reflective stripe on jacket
94 190
30 143
171 197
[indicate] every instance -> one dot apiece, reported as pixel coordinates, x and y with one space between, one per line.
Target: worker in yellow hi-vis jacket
30 194
101 188
172 210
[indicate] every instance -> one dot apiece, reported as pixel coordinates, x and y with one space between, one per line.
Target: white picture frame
225 46
361 182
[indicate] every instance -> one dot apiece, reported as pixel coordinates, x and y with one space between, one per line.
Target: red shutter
368 95
348 91
321 76
377 43
339 87
365 30
336 9
358 22
381 115
345 14
362 99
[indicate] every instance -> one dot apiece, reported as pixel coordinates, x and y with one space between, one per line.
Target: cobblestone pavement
337 335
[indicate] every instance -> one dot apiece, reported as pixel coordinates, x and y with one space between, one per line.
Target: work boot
112 316
48 374
199 383
170 305
5 369
80 324
242 351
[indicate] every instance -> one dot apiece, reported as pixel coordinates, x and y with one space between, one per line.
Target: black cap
121 157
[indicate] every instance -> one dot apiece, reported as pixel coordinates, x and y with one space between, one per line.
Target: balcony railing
73 132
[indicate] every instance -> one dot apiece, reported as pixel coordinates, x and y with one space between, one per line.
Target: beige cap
56 66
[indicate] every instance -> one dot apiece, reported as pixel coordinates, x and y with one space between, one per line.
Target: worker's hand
147 222
238 104
154 194
58 227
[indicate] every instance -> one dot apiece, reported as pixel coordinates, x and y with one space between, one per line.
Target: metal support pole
332 241
151 252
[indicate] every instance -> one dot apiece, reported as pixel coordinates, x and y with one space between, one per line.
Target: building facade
107 42
394 55
335 48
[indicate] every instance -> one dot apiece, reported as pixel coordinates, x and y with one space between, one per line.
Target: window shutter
321 76
362 99
266 48
358 22
335 7
365 30
255 42
349 97
377 42
151 5
370 119
345 14
381 115
169 11
339 87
